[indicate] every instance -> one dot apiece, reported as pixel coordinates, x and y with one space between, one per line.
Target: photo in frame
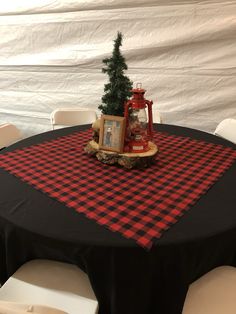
112 132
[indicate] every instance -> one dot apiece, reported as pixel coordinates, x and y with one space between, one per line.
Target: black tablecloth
125 277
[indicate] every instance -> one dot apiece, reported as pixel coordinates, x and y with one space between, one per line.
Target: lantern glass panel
138 122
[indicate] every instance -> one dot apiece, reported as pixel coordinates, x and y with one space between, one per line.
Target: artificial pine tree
117 91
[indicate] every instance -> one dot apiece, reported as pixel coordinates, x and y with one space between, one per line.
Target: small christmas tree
117 91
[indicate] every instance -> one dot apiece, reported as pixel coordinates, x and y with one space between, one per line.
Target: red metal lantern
139 129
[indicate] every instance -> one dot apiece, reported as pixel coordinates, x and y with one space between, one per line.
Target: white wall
184 53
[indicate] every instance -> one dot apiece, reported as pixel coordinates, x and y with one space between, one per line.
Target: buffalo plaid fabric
139 204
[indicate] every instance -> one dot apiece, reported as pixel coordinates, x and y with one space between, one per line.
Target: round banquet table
125 277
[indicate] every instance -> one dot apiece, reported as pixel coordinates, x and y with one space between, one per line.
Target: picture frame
112 133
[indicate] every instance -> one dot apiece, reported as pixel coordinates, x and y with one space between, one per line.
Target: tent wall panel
184 53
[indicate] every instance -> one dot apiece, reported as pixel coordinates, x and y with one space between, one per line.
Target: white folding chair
156 116
72 116
213 293
9 134
53 284
227 129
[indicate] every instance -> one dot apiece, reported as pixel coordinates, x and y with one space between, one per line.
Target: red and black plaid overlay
140 204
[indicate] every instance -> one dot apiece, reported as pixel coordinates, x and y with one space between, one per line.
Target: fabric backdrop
183 52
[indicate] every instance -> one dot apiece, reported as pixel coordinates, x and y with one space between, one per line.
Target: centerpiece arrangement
123 134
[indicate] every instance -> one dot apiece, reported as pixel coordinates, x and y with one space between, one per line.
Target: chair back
72 116
156 116
213 293
49 284
227 130
9 134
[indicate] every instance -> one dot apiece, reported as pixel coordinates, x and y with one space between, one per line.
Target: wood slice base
126 160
